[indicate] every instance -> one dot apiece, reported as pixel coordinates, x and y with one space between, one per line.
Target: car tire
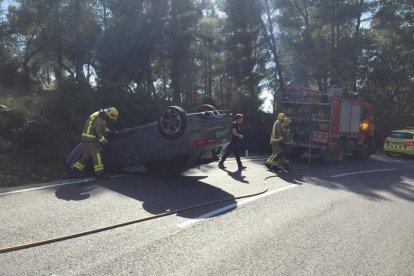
172 122
206 107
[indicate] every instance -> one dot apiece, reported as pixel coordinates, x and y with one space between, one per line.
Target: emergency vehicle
400 142
329 124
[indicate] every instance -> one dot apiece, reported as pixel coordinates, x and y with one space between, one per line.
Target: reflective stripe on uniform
98 157
91 120
99 166
102 139
88 128
272 160
99 169
88 135
79 166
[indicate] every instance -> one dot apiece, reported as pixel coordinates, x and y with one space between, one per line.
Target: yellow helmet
280 116
112 113
286 120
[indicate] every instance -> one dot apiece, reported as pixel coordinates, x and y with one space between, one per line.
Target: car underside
178 141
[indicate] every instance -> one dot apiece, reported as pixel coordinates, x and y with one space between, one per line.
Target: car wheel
172 122
206 107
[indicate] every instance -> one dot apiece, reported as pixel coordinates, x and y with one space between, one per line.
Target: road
356 218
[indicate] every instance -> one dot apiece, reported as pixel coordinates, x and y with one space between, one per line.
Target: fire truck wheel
297 152
340 151
364 151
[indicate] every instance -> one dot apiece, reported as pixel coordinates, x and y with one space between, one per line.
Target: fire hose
130 222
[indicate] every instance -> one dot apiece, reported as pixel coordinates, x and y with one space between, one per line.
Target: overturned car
176 142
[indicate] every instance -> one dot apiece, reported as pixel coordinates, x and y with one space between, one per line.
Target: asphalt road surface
356 218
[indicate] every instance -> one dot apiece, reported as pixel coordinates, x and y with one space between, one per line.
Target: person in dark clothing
234 146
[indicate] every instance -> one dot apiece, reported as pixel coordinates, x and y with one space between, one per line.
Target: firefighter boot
76 173
275 168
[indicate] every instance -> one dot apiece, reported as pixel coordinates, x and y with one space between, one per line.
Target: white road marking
361 172
84 180
231 206
48 186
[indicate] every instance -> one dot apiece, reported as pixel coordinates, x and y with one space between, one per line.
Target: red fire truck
330 124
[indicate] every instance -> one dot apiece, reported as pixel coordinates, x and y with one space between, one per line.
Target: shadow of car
178 141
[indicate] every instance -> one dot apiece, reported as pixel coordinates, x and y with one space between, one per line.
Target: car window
402 135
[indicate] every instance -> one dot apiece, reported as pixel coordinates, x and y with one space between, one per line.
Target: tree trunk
80 78
105 15
59 66
175 58
209 77
356 47
270 38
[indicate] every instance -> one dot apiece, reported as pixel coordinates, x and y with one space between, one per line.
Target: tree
8 64
63 32
183 19
321 39
268 30
388 75
243 25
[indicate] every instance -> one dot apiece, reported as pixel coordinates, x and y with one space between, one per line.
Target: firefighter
276 141
93 138
287 141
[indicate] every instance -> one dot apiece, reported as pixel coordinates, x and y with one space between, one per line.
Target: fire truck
329 124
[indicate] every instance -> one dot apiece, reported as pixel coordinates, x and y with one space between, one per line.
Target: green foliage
243 27
61 60
389 67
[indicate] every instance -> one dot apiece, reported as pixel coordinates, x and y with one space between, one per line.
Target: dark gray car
176 142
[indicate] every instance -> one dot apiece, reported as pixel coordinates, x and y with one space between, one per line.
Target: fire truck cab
330 124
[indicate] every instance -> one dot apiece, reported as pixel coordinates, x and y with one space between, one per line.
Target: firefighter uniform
93 137
287 141
276 141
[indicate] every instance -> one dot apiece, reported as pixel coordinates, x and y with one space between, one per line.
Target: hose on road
97 230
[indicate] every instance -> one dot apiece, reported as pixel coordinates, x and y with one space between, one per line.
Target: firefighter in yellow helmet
276 141
93 138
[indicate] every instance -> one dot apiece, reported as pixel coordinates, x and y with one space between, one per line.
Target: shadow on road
75 192
237 175
157 194
161 194
374 185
